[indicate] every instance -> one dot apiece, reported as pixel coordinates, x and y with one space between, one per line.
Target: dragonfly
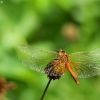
84 64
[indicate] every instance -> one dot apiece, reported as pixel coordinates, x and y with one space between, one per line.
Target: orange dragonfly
54 64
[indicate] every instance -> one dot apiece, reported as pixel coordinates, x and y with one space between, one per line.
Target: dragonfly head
61 53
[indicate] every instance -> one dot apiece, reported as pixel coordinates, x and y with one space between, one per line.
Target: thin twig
46 89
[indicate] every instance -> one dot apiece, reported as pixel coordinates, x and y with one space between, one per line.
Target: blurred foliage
73 25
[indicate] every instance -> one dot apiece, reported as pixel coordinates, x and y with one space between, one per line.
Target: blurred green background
72 25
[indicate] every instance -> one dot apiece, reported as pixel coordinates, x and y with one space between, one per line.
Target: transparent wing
35 52
90 56
85 64
39 60
35 64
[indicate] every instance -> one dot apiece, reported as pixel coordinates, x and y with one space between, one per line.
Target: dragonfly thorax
56 67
